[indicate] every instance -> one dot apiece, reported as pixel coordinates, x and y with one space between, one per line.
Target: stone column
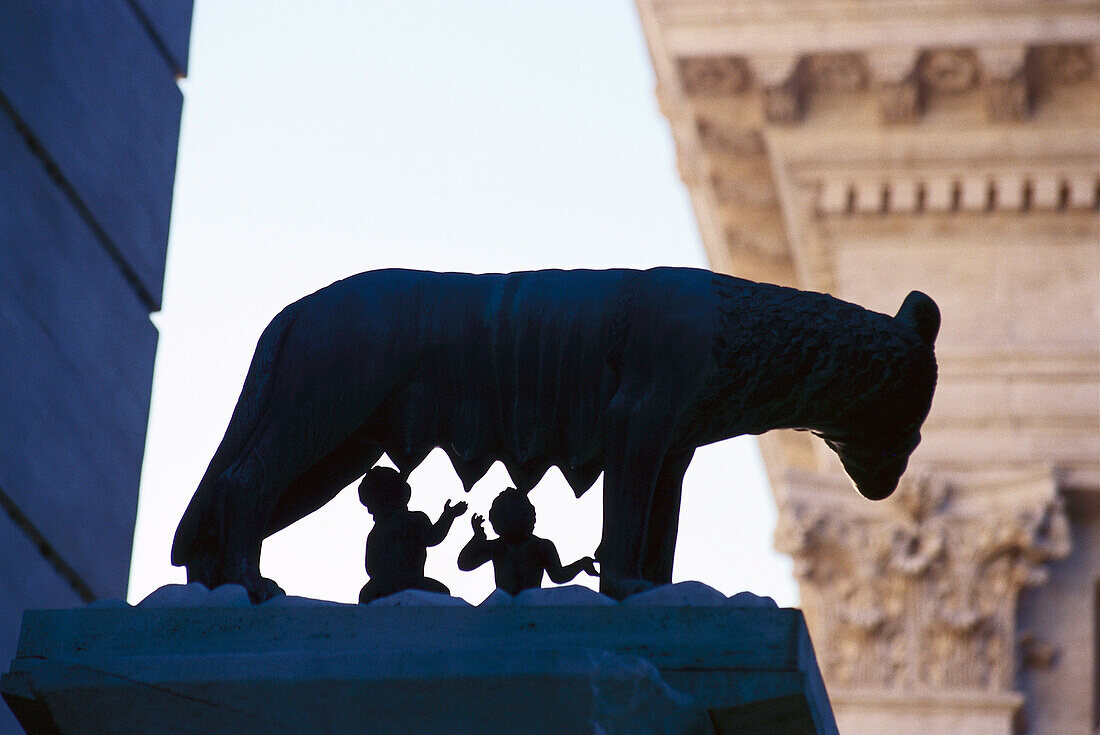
912 602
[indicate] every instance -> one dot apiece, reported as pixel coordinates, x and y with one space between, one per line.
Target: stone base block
418 669
920 713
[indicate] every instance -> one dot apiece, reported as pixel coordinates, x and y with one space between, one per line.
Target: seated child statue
519 556
397 546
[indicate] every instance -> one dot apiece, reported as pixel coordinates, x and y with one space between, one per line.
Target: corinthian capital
920 591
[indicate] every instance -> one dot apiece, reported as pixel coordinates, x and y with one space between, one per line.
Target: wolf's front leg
659 545
637 441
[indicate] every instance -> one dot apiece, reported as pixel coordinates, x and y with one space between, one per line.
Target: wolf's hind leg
239 512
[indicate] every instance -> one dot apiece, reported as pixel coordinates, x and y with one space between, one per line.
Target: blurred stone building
870 147
89 123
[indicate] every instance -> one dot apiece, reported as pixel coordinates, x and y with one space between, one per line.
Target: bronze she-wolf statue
623 372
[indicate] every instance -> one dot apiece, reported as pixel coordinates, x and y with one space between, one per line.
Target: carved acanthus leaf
921 593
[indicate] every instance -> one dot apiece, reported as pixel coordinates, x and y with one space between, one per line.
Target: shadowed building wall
89 125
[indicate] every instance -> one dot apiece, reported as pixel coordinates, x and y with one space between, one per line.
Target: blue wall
89 126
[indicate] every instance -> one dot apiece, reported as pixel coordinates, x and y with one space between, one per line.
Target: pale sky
329 137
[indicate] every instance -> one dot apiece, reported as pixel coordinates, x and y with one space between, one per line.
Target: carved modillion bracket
784 79
894 72
1008 94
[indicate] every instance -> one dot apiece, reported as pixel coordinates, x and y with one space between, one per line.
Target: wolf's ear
921 313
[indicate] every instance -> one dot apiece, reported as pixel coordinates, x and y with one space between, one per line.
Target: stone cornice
768 88
709 27
787 111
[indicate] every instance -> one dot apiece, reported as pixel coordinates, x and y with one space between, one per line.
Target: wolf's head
882 431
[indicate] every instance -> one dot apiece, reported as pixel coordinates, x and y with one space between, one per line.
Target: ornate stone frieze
920 594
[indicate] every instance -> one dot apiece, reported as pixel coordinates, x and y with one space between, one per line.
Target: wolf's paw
261 589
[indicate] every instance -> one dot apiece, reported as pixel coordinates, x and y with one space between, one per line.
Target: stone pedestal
502 667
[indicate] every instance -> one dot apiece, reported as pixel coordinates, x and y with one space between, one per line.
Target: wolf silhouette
623 372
